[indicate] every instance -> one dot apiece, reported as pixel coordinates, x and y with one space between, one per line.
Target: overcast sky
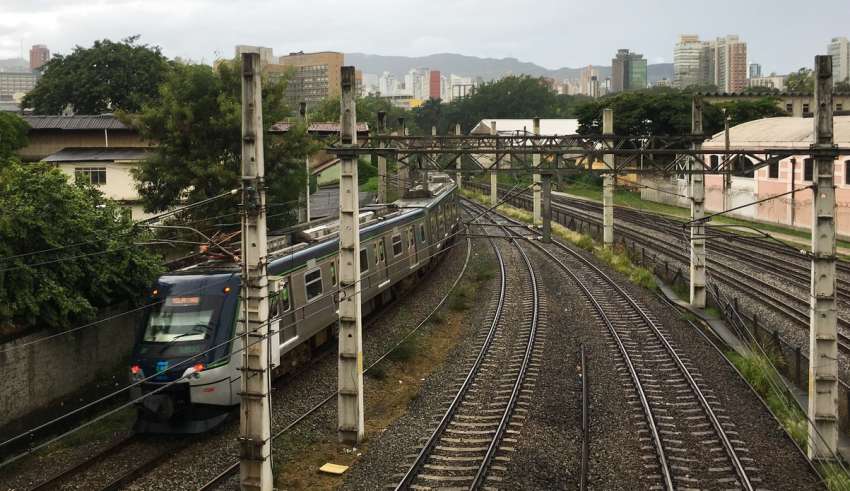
782 35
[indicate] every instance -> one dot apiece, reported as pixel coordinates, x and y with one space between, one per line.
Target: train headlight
195 370
136 372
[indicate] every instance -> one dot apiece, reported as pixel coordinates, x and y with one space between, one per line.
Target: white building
839 49
687 59
772 81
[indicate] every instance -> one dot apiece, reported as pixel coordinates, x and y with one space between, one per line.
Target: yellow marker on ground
334 469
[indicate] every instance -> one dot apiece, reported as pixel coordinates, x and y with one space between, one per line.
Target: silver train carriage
190 334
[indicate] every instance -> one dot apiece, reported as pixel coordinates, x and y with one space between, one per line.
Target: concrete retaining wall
35 378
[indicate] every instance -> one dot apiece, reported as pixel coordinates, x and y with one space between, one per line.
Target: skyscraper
839 49
628 71
434 85
39 55
313 76
755 70
687 59
729 57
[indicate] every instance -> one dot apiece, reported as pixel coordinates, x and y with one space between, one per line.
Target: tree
843 86
13 134
367 111
742 111
91 258
761 90
801 81
197 122
107 77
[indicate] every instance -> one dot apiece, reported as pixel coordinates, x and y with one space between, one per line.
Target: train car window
313 284
411 237
396 245
382 251
421 232
274 306
333 272
364 261
285 299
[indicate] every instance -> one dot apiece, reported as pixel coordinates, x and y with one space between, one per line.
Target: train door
365 276
382 275
288 322
274 321
411 247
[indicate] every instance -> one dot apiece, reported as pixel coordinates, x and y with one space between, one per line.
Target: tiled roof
318 127
79 122
100 154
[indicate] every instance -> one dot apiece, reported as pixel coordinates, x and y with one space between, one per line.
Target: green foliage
509 97
667 111
367 110
404 351
744 110
761 90
109 76
198 123
100 263
657 111
461 297
377 372
802 80
13 134
843 86
835 477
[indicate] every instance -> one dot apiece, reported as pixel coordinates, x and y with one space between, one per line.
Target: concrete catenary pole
535 177
350 397
697 185
382 161
458 175
302 112
494 179
823 343
608 183
255 465
547 207
727 175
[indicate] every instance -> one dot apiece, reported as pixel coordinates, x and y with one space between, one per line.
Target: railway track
692 442
778 299
462 449
231 470
115 466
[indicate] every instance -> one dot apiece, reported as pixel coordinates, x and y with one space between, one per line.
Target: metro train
190 331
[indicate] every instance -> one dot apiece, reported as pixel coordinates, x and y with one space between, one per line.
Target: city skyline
536 36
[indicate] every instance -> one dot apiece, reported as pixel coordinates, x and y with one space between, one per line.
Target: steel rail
718 428
55 481
481 475
423 454
585 423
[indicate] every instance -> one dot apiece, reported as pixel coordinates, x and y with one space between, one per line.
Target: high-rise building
313 76
728 56
755 70
628 71
594 87
14 85
39 55
687 61
587 75
434 85
839 49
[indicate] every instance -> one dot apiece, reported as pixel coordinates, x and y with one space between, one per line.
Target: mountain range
486 68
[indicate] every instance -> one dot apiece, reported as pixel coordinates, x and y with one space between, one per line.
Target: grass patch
835 478
438 317
405 350
377 372
461 297
758 369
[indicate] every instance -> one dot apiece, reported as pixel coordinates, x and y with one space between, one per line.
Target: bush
377 372
404 351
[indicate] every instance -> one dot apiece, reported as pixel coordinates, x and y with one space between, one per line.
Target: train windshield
185 318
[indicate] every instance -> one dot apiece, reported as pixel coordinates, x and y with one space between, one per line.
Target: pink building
789 173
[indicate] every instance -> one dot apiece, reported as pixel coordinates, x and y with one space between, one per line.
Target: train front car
183 354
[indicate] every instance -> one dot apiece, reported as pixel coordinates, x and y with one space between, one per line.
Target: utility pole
535 178
823 334
697 185
608 182
382 161
350 396
727 172
255 467
547 207
494 180
457 161
302 111
403 172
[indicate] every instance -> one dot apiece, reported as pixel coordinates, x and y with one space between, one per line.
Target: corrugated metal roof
518 126
318 127
781 132
79 122
104 154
